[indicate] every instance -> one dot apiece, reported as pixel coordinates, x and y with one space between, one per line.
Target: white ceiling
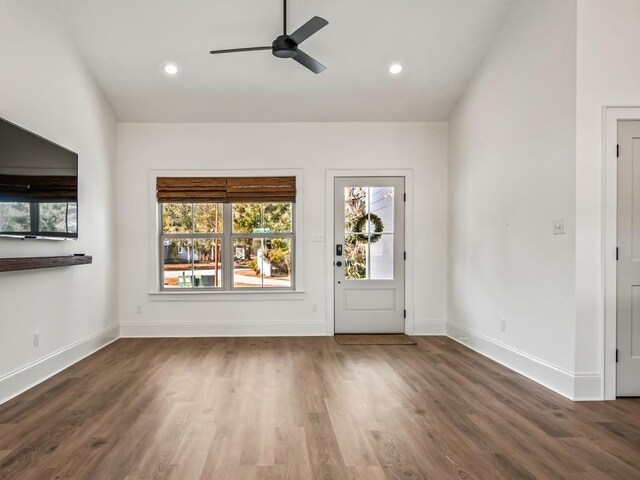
127 42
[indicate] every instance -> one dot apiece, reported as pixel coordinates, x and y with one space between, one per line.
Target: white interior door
628 321
369 255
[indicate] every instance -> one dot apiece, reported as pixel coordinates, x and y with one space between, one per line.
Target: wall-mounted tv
38 186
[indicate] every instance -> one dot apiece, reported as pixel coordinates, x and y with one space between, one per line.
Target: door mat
396 339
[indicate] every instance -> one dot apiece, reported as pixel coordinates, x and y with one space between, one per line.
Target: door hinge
405 255
617 151
404 313
616 355
616 254
405 196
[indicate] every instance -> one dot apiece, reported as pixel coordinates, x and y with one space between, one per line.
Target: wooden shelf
33 263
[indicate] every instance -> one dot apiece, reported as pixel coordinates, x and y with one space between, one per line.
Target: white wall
608 74
312 147
512 170
44 87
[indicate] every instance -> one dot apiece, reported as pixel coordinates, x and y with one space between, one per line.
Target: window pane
208 217
277 217
355 256
276 262
355 207
178 258
177 218
15 217
246 266
381 257
58 217
247 217
262 262
382 207
207 263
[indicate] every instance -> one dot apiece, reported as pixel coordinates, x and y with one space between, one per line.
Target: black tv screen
38 186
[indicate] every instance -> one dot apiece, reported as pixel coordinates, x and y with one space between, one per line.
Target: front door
369 255
628 322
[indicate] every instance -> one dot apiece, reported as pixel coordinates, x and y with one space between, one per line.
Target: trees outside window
253 242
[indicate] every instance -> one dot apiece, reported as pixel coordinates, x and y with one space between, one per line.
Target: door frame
611 115
409 273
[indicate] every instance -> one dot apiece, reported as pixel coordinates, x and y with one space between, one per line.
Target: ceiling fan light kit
286 46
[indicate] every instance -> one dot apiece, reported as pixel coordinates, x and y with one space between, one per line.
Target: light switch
559 227
317 237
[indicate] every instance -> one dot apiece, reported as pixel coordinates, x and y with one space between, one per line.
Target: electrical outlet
139 309
503 325
314 307
36 339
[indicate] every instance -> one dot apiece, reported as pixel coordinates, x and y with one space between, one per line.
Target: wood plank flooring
308 408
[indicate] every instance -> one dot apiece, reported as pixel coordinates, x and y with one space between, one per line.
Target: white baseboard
224 329
16 382
588 387
429 327
550 376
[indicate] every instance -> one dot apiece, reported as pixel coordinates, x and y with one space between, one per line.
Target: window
223 245
368 215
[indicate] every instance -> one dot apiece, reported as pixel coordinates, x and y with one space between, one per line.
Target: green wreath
378 228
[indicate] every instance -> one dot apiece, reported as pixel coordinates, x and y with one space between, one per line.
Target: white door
628 322
369 255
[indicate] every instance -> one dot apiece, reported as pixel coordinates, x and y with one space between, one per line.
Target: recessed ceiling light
396 68
170 69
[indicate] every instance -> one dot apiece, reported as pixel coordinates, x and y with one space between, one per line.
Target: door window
368 221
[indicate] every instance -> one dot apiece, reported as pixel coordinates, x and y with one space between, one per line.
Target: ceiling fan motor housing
284 47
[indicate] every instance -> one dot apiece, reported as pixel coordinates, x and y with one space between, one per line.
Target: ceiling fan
286 46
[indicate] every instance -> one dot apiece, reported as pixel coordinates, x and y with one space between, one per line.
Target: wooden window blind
191 189
226 189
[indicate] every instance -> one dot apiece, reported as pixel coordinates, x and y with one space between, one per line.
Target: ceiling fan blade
306 61
233 50
308 29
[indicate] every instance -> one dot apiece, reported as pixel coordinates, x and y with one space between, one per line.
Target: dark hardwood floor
298 408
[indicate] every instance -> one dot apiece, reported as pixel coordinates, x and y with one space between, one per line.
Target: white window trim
153 245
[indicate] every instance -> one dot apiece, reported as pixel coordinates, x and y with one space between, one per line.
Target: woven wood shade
191 189
226 189
25 188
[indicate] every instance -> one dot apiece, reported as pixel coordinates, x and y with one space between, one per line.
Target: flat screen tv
38 186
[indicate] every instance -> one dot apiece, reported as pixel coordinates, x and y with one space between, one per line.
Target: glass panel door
369 253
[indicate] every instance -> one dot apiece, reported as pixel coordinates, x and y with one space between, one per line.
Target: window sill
226 296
